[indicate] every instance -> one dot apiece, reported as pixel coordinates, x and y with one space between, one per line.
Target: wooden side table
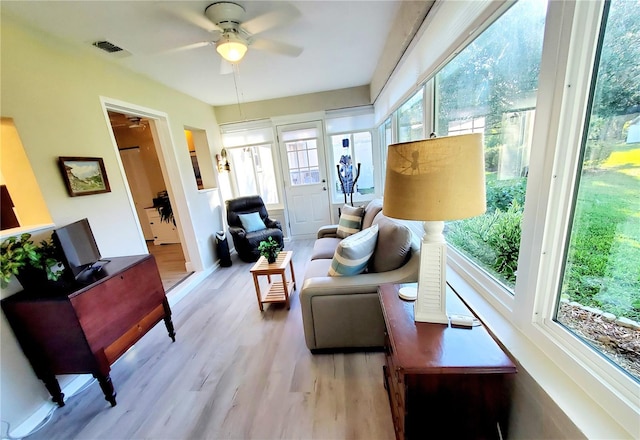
277 291
443 382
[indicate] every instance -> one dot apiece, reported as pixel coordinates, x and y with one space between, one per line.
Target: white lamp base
430 305
408 293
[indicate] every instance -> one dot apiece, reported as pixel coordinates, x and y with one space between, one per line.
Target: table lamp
434 180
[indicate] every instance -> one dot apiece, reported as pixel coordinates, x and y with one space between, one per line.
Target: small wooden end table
278 291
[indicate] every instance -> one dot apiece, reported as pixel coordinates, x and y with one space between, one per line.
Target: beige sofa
344 312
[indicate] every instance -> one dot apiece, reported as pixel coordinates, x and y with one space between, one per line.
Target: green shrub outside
604 253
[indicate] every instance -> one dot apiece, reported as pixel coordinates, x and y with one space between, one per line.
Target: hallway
171 263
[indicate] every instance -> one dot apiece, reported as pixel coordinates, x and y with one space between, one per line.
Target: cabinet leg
167 320
54 389
169 324
107 388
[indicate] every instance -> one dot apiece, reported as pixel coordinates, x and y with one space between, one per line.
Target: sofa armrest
363 283
327 231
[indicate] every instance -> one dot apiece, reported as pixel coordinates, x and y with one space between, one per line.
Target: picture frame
84 176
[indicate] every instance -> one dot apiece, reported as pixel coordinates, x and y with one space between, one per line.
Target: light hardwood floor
170 261
233 373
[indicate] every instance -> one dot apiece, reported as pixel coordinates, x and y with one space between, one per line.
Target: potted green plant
269 249
33 264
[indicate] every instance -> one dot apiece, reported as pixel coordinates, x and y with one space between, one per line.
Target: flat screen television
78 248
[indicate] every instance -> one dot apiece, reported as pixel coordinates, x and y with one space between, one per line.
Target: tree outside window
490 87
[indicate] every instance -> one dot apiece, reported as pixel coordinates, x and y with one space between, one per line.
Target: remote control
461 320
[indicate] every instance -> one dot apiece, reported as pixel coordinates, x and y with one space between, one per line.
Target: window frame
266 129
595 394
571 34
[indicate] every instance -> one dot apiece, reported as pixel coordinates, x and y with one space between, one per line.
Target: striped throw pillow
353 253
350 221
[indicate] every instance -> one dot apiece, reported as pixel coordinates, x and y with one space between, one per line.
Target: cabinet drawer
131 336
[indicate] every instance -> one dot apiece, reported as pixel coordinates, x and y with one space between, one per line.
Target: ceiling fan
232 36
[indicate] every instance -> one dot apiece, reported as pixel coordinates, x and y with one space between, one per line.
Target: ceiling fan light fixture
231 47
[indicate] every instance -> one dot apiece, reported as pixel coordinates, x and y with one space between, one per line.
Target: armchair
246 240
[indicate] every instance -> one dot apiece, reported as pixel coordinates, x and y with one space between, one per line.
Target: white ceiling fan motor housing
227 15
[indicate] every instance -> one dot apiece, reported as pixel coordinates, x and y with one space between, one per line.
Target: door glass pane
601 281
299 163
313 158
490 87
293 160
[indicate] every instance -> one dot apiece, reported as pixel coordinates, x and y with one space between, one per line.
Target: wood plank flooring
171 263
233 373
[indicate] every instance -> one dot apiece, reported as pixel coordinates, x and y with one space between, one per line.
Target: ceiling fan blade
225 67
276 47
185 48
193 17
270 20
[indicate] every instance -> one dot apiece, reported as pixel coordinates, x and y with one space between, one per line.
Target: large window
490 87
249 152
411 119
254 173
351 140
601 281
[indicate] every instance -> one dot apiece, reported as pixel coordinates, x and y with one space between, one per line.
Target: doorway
138 154
305 181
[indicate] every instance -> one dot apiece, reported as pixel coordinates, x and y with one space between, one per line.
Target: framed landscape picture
84 175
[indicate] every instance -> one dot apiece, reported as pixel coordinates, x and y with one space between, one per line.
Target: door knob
324 188
324 180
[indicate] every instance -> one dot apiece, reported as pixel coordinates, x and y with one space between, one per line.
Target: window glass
601 280
411 119
303 159
490 87
349 150
254 173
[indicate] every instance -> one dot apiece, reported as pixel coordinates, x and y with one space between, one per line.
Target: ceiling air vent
106 46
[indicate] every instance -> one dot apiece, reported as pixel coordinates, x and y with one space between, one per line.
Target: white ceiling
342 41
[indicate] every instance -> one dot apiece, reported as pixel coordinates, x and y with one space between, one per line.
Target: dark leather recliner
246 243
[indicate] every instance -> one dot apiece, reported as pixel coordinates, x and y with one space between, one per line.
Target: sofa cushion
317 268
350 221
370 212
252 222
325 248
393 246
353 253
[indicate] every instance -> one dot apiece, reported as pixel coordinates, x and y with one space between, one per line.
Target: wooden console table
443 382
85 328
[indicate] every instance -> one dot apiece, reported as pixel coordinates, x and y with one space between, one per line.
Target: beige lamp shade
436 179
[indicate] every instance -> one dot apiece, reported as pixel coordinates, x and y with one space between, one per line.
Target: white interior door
139 185
301 149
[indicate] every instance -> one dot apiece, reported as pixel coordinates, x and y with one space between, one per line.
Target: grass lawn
603 268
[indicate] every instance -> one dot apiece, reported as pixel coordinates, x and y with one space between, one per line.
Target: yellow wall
18 176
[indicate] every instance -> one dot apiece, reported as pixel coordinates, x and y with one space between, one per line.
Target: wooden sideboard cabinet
84 328
443 381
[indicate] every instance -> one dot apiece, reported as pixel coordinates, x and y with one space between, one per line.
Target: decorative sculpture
345 173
